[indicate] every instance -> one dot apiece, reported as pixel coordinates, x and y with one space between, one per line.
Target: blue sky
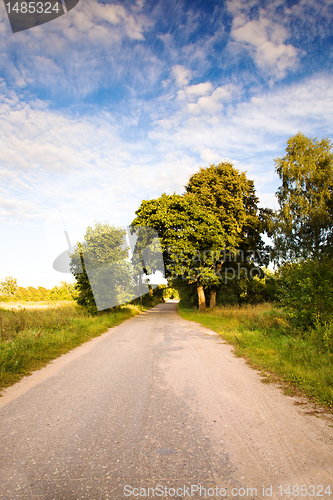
116 102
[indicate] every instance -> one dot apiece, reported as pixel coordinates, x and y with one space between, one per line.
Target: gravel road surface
160 403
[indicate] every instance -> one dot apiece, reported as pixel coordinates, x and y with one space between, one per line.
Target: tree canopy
304 222
190 238
228 195
100 264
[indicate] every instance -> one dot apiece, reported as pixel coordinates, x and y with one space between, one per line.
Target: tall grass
29 339
263 334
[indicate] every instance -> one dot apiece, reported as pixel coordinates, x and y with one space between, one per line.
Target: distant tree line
10 291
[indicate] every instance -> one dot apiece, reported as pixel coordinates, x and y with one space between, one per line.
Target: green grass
30 338
263 335
29 304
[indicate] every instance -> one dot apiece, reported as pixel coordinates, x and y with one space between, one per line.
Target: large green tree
100 265
230 196
191 238
304 222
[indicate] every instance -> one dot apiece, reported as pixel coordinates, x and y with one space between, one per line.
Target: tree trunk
140 282
212 300
201 298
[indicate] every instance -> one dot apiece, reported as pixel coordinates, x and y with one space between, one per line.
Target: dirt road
160 403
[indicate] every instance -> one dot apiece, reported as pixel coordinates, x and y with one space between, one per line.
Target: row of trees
212 242
212 235
205 237
10 291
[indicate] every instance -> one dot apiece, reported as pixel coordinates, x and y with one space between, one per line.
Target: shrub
306 292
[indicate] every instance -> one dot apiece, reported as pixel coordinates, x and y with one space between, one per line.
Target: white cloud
203 99
14 209
181 74
87 19
264 35
264 39
194 91
209 156
257 128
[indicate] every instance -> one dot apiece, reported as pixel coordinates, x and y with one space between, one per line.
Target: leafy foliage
208 231
228 195
304 229
190 237
63 291
306 292
103 254
32 294
304 222
247 289
8 287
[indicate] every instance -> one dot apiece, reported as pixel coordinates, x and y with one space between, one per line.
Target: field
302 361
33 334
18 305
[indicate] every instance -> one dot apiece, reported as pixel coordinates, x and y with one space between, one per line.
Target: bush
186 292
63 291
306 292
154 297
8 288
170 293
321 337
242 290
31 294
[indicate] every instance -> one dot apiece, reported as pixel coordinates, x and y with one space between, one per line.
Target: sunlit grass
263 335
30 338
41 304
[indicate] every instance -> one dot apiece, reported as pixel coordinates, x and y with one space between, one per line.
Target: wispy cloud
278 37
75 53
263 38
181 74
49 158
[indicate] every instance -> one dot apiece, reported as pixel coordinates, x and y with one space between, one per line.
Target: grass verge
264 337
31 338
